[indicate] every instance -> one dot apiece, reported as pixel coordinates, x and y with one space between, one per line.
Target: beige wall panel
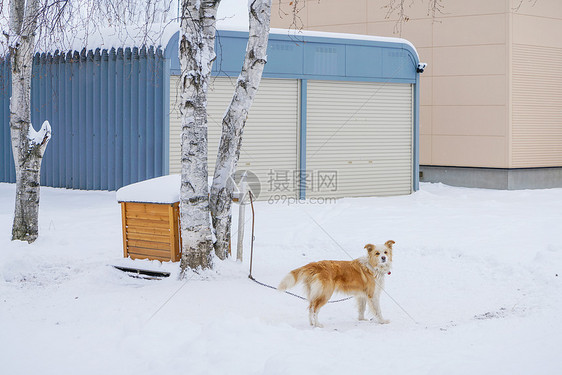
419 32
540 8
426 119
531 151
469 60
459 31
469 151
537 107
426 90
377 10
358 28
336 12
545 152
425 150
469 90
470 120
455 8
537 31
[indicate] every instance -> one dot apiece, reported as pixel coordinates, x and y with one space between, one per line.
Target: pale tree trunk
198 22
28 146
234 121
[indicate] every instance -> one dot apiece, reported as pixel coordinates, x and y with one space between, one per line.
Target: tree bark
198 22
234 121
28 146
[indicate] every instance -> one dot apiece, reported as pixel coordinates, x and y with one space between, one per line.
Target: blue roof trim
313 57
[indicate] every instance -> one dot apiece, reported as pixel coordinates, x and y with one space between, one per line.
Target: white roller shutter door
270 141
359 139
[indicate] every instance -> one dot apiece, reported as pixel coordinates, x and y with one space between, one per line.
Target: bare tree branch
434 8
292 9
518 6
397 7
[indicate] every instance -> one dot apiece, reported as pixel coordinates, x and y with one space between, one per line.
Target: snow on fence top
157 35
165 189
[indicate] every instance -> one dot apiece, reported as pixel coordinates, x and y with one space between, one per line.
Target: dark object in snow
501 313
143 274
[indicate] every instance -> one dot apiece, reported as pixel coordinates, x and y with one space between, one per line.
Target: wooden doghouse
150 219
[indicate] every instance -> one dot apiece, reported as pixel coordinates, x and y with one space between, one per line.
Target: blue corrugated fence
106 109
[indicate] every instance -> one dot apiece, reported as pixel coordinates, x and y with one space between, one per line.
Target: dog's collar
366 263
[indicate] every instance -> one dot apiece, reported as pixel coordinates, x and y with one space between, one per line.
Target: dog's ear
389 244
370 247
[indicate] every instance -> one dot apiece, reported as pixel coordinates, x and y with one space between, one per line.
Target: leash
252 258
293 294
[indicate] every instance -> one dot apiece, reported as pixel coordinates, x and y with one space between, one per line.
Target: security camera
421 67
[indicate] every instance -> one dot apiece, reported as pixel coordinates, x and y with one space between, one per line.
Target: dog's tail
289 281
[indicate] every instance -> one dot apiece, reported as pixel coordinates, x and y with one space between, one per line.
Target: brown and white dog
363 278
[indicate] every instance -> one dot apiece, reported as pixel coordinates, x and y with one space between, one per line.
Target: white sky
233 14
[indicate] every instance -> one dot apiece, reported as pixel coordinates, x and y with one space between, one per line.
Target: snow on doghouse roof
165 189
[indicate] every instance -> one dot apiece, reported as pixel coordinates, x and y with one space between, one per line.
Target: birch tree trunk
234 121
198 22
28 146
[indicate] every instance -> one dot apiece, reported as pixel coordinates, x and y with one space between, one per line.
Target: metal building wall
270 143
359 139
322 57
106 109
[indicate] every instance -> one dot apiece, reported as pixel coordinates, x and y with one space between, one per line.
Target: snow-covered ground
476 288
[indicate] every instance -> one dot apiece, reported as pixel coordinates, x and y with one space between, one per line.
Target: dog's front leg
374 304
